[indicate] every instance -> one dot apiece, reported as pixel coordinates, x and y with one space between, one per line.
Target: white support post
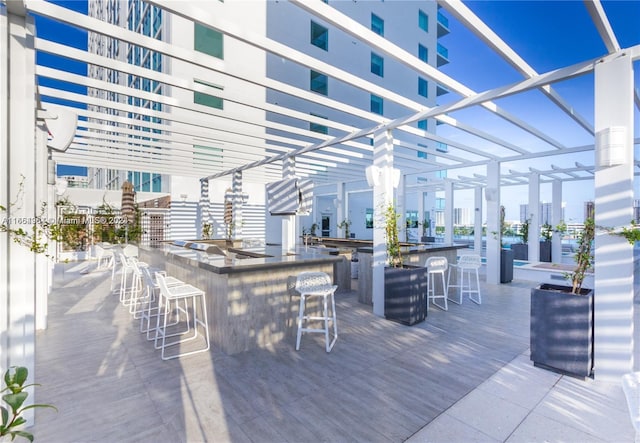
421 216
43 271
477 221
237 202
401 208
382 198
492 194
556 242
448 211
613 300
18 179
288 221
340 205
534 217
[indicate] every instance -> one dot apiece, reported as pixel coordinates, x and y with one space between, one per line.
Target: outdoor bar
249 303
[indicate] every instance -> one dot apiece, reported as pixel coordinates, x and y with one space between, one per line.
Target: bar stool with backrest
150 307
436 265
104 257
168 302
317 284
467 265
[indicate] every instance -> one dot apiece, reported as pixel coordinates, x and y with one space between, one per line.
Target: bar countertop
237 260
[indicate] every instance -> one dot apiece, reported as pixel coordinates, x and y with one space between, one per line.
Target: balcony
443 25
443 55
441 90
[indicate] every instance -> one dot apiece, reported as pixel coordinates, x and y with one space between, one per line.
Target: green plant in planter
524 231
206 231
546 231
12 419
391 217
314 228
345 224
583 257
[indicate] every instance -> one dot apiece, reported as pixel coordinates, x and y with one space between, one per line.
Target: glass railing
444 21
443 51
442 147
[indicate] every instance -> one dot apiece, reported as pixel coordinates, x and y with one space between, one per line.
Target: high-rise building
149 20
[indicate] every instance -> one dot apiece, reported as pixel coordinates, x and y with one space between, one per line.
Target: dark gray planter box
562 330
506 265
405 294
520 251
545 251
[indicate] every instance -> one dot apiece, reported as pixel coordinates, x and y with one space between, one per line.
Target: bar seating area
170 311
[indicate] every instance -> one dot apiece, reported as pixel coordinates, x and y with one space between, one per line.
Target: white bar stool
317 284
174 294
150 308
466 265
436 265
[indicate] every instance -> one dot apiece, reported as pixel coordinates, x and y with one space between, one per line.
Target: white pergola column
288 221
556 219
448 211
613 347
237 202
492 194
382 198
340 204
401 208
477 221
421 209
19 178
534 217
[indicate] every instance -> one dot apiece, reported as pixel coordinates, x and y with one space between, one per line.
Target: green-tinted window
206 99
422 124
319 36
423 21
377 64
377 104
423 53
316 127
377 25
208 41
319 83
423 87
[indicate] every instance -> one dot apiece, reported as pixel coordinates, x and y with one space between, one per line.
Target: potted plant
405 286
12 419
506 255
561 337
546 232
521 250
345 224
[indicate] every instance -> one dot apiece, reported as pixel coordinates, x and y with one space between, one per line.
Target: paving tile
448 429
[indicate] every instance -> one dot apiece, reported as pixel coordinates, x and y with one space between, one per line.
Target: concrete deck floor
461 376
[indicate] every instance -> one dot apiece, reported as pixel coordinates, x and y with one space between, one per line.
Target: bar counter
249 291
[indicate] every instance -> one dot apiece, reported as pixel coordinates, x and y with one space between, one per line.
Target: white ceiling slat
322 157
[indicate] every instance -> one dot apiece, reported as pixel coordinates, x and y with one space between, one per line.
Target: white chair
317 284
436 265
130 251
150 306
168 302
467 265
104 256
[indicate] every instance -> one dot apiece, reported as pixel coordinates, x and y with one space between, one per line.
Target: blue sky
546 34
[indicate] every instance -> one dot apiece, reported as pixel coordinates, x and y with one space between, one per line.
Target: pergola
113 130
